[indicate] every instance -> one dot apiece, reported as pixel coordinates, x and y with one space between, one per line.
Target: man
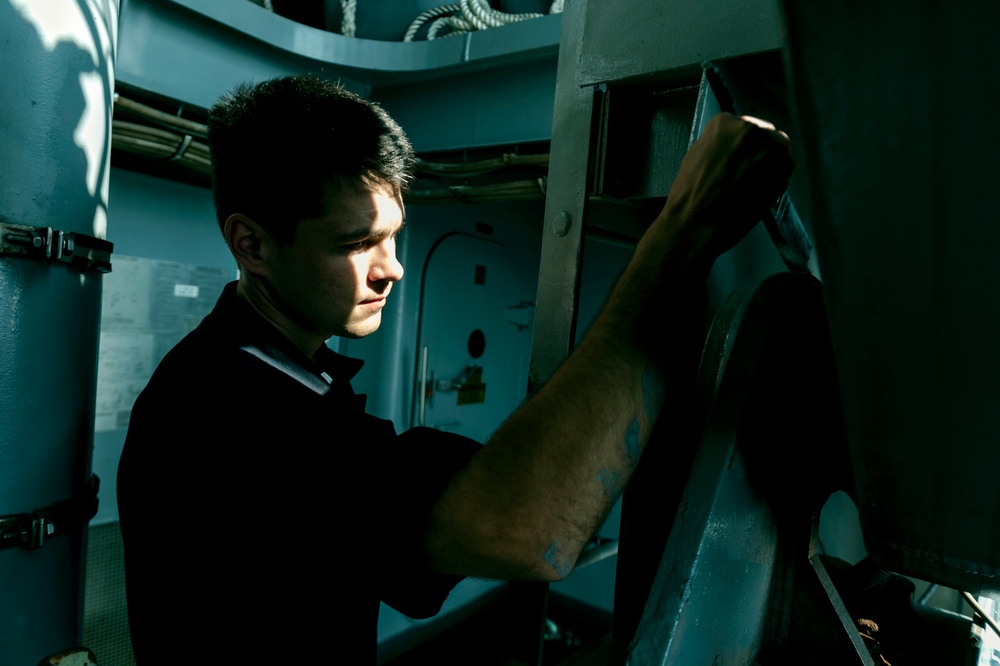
300 512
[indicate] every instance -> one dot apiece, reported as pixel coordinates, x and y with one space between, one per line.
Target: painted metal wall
57 79
152 220
482 88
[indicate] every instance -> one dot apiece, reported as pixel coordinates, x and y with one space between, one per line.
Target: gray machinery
871 372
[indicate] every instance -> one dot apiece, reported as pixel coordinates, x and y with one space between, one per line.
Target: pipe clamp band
78 251
30 530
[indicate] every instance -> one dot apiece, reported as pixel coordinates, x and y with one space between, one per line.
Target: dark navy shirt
264 513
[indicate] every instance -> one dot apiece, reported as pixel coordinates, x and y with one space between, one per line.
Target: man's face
333 279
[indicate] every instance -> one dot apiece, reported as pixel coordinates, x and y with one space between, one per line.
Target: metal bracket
78 251
29 530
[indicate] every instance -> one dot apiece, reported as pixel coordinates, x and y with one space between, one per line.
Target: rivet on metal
562 223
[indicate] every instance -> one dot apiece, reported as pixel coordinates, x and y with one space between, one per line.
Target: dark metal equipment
904 211
875 377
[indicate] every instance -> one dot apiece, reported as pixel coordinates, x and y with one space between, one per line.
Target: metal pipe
969 599
59 58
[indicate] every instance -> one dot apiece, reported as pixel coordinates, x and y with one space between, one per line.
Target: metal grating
105 622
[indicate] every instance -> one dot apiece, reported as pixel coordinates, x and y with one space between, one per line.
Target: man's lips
376 299
373 301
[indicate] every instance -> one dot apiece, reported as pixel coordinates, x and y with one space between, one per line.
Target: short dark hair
277 145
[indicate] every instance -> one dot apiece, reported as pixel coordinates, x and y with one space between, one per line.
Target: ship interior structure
840 501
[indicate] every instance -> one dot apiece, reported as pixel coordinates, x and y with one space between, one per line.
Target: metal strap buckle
79 251
25 530
30 530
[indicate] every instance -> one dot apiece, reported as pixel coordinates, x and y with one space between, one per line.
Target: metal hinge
78 251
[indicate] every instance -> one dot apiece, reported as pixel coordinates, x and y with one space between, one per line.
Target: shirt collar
238 321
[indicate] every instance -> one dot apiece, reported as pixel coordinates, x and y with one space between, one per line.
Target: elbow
546 556
559 560
550 575
507 559
535 570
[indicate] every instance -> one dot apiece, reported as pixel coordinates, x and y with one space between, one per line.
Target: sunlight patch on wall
92 136
91 26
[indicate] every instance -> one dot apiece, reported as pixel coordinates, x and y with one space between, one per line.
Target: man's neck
263 303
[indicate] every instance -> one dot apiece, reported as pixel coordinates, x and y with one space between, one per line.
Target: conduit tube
57 78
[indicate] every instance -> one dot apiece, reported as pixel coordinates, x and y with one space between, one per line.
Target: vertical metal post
57 78
565 206
558 286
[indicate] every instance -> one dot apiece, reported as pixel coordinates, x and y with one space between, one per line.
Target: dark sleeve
419 465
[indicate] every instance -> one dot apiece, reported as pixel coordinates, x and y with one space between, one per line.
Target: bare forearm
545 482
526 505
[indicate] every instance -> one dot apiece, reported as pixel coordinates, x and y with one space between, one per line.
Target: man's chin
360 329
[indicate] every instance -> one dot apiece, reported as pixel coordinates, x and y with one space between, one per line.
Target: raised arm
529 501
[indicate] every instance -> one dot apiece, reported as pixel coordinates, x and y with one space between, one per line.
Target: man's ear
246 239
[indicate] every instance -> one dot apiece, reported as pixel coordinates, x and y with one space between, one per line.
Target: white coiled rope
424 17
348 24
466 16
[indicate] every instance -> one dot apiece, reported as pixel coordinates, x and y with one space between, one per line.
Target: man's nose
384 266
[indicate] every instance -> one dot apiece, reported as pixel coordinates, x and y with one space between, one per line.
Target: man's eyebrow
385 233
362 232
353 234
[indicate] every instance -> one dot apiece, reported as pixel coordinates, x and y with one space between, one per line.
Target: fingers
770 127
730 135
743 150
766 164
759 122
732 175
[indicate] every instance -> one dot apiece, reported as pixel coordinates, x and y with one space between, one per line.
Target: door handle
423 386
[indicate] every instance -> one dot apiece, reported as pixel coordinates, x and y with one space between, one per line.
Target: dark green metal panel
903 181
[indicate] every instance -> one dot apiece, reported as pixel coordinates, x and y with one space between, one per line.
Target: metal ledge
533 38
226 40
668 41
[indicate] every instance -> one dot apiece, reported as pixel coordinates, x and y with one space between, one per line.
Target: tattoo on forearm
612 481
632 447
558 560
652 395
